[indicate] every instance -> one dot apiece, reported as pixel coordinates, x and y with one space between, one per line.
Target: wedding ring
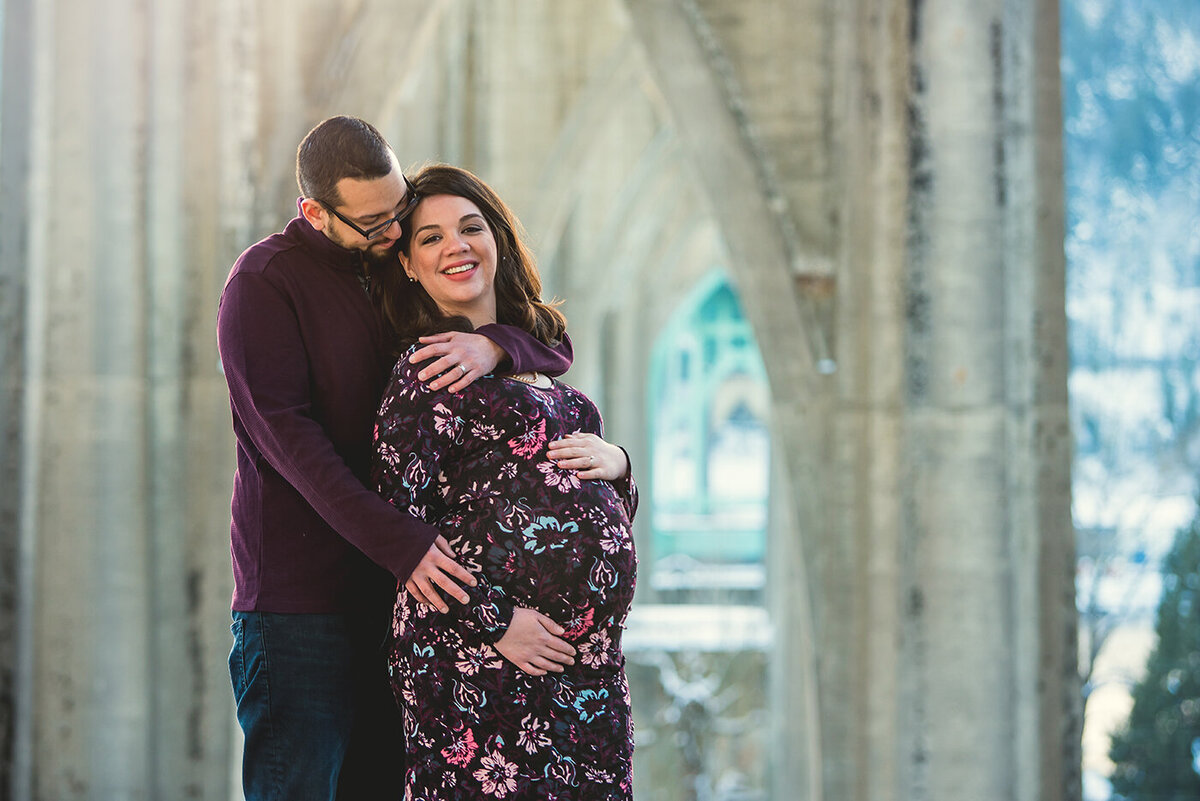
465 371
591 460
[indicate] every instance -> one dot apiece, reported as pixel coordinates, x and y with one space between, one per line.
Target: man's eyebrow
375 216
389 212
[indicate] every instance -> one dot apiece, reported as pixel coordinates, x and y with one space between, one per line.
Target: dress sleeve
417 429
526 353
627 488
591 421
266 367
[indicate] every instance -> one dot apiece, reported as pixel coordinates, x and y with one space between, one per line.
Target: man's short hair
340 147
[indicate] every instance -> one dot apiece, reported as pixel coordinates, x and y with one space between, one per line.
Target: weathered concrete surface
16 56
880 180
123 459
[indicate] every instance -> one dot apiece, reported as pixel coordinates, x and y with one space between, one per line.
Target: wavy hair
409 310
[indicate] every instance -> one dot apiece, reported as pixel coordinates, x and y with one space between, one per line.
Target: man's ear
315 213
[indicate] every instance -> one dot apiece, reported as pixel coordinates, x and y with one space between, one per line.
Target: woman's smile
461 269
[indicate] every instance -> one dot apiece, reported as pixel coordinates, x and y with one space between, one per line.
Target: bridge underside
879 182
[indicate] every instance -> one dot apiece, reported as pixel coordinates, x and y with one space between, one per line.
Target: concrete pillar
985 411
88 724
940 575
16 99
121 689
951 340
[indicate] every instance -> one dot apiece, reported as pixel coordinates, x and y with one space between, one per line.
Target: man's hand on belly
439 570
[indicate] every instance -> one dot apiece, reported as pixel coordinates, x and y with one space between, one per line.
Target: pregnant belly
580 571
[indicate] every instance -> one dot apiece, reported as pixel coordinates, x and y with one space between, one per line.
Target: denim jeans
314 703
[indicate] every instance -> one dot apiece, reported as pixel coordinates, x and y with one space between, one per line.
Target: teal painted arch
708 417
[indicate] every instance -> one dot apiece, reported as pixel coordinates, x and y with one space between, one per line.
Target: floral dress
535 535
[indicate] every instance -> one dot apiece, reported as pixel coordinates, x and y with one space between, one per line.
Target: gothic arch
635 242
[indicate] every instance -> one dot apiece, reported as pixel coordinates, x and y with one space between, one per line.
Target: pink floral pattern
461 751
595 652
497 775
533 736
474 463
561 479
530 441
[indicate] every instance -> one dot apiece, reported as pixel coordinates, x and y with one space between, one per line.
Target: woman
521 694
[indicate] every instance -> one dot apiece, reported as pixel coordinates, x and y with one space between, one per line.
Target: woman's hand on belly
534 643
590 456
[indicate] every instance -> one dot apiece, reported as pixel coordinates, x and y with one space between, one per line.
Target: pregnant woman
521 693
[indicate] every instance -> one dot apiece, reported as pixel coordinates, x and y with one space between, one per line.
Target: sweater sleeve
416 432
266 367
526 353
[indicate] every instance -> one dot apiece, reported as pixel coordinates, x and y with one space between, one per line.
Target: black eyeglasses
410 203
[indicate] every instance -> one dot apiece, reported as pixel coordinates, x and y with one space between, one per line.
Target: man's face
367 203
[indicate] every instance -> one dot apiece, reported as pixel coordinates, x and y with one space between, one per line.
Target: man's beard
372 255
381 256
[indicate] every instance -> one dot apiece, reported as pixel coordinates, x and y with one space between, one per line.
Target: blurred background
896 307
1131 85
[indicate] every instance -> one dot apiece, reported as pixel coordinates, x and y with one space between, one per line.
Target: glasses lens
410 199
410 203
375 231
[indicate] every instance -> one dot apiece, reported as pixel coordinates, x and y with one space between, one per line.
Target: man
316 553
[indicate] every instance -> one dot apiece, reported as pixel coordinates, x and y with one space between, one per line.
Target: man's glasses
410 203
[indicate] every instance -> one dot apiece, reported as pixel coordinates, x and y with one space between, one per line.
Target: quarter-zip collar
322 247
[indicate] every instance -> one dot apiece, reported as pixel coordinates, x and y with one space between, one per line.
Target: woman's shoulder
403 369
573 393
576 408
404 382
407 385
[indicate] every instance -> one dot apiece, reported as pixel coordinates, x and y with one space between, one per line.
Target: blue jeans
315 705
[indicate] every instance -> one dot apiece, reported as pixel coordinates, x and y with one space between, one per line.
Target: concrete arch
762 257
660 231
557 186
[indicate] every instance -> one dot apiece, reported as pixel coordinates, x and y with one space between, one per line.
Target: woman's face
452 254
